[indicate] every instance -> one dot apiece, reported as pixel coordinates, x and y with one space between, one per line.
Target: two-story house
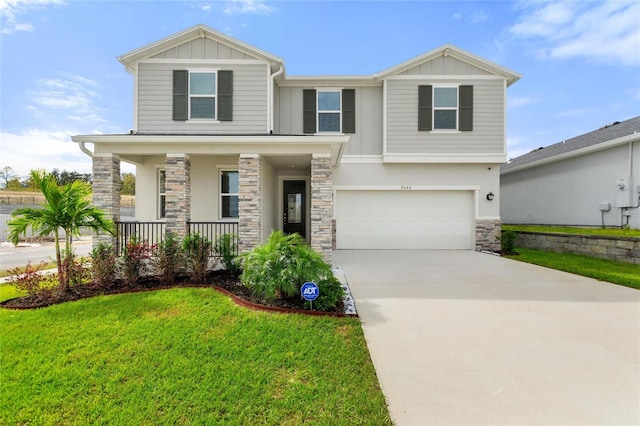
224 140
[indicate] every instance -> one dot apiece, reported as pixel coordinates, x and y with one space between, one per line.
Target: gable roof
197 31
454 52
610 135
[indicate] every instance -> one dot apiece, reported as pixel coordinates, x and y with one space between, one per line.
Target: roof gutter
84 148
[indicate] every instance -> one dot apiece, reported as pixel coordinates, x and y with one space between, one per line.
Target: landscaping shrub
32 281
169 260
508 241
226 247
78 270
133 260
197 250
285 262
103 265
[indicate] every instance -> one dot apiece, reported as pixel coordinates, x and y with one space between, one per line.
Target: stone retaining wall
622 249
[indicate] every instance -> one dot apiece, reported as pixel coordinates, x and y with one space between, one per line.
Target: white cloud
41 149
10 11
606 32
74 93
473 17
258 7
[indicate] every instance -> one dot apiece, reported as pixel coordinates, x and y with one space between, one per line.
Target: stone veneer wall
178 194
250 201
487 233
322 205
106 191
622 249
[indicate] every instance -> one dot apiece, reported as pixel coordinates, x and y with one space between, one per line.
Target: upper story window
329 110
445 108
229 188
202 95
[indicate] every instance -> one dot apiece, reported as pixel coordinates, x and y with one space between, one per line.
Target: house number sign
405 187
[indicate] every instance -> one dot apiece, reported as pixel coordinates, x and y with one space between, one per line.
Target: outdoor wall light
490 196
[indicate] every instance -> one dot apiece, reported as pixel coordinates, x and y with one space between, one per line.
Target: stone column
178 194
322 205
487 233
106 191
249 201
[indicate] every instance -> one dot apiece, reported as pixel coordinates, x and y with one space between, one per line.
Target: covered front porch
214 185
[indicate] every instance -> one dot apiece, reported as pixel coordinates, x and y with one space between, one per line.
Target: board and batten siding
445 65
367 139
155 100
202 48
487 135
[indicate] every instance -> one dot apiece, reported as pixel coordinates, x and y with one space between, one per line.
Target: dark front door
294 201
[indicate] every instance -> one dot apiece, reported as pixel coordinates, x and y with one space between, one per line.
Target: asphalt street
12 257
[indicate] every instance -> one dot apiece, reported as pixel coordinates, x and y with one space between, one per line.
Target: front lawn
610 232
183 356
626 274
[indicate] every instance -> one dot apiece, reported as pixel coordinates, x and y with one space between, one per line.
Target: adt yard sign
310 291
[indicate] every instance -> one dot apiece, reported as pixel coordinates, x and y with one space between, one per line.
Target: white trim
361 159
576 153
207 70
384 116
337 90
408 187
444 158
326 81
452 77
159 169
206 62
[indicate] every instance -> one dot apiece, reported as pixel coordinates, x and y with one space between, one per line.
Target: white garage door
404 219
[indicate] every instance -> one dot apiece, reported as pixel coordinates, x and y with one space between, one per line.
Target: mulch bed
218 280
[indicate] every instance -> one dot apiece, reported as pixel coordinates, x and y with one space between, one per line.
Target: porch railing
153 232
213 230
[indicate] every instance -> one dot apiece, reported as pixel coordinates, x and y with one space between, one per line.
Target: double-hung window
329 111
202 95
229 187
445 108
162 199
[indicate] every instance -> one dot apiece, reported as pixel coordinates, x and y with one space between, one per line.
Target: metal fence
153 232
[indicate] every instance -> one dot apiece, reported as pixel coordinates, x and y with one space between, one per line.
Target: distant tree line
10 181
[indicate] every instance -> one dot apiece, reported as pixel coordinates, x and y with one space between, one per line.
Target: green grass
7 291
183 356
613 232
626 274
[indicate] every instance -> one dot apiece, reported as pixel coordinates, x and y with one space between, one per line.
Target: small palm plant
67 208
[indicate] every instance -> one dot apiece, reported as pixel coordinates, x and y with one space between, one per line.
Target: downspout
84 149
273 101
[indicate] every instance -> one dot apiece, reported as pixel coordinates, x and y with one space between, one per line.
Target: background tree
67 208
128 184
6 175
14 184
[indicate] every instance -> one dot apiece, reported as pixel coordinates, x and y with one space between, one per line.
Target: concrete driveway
461 337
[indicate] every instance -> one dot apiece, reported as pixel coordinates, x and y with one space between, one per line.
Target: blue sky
59 74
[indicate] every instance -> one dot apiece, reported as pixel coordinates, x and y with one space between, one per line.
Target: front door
294 201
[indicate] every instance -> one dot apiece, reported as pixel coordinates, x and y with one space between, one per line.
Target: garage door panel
404 219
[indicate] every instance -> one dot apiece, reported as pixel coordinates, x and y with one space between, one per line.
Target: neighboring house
589 180
223 137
